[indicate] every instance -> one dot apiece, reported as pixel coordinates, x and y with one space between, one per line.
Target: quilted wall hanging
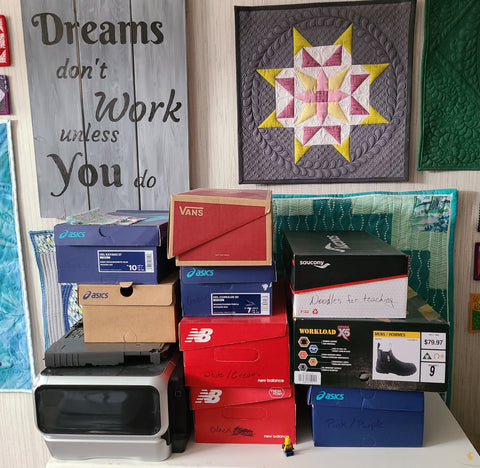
449 123
16 358
420 223
323 91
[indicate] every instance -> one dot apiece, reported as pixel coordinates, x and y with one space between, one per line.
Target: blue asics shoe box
112 253
226 290
349 417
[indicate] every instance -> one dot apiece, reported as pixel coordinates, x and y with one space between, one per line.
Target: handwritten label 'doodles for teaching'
108 92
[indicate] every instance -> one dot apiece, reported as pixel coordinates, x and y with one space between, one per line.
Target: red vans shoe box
221 227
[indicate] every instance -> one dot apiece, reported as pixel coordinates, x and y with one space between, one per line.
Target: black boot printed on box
387 363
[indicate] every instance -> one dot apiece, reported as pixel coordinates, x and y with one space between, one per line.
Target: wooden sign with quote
108 96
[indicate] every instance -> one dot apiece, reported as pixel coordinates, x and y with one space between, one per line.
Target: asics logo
201 335
95 295
196 272
330 396
71 234
209 396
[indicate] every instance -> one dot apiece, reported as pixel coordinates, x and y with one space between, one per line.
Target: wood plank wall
213 163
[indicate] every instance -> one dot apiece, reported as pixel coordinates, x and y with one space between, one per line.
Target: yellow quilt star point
344 149
300 150
269 74
299 42
271 121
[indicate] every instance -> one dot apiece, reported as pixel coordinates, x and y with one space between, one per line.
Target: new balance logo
201 335
208 396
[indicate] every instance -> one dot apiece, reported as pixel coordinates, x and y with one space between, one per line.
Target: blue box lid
391 400
151 231
227 274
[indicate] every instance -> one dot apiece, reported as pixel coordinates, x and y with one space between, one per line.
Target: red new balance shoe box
243 415
237 351
221 227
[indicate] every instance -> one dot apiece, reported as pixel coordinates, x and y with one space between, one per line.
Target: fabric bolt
449 123
323 91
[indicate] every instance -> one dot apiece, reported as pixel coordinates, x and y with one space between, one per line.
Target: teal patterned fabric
421 224
16 358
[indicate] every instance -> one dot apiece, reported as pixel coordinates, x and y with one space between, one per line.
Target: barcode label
308 378
149 261
265 303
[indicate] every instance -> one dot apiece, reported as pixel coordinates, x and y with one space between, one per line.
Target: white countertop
445 446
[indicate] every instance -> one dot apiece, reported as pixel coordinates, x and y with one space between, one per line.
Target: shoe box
351 417
221 227
131 313
238 351
243 415
109 254
408 354
345 274
223 290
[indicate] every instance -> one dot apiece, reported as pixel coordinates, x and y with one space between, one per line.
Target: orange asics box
221 227
243 415
237 351
130 313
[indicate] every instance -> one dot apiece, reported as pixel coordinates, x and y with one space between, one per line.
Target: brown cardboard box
131 313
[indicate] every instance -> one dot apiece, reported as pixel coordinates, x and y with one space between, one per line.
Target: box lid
227 274
391 400
200 215
206 398
319 259
204 332
152 231
129 294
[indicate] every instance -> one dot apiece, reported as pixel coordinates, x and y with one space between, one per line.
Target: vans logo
71 234
337 244
315 263
208 396
201 335
95 295
191 210
330 396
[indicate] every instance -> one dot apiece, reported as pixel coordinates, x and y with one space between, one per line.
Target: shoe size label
125 261
240 304
433 357
409 356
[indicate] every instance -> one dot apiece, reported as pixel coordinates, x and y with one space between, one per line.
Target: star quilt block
324 92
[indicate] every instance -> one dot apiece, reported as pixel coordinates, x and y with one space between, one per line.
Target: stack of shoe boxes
366 359
127 287
113 386
234 331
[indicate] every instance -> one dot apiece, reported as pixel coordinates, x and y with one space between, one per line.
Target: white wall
213 163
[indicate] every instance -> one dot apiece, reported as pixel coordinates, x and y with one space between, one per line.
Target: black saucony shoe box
345 274
396 354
